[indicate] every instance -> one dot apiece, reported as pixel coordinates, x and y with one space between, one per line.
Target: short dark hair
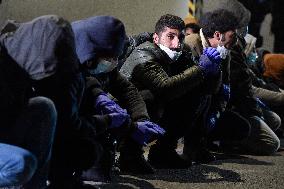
170 21
195 27
219 20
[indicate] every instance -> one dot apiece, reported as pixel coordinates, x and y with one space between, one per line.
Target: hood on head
99 34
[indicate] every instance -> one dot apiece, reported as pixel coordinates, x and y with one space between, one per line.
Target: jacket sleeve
88 125
241 85
152 76
67 95
128 96
241 80
193 44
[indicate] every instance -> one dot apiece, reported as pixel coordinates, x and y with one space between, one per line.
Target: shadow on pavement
208 173
205 173
239 159
127 182
195 174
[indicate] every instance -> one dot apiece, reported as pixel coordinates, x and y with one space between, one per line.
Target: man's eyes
171 37
180 37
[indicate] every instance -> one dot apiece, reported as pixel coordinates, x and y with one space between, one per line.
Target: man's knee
44 104
19 167
27 164
272 119
271 147
262 141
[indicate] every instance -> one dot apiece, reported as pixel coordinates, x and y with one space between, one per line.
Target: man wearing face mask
222 123
172 85
99 41
261 63
236 74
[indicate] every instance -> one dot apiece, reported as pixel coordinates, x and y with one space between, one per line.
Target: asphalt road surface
230 171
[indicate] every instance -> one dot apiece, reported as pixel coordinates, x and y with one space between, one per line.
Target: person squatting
73 95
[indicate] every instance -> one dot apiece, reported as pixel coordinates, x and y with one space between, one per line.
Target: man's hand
104 105
213 55
208 66
146 132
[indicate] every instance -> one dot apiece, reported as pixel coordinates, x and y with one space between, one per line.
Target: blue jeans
34 130
17 165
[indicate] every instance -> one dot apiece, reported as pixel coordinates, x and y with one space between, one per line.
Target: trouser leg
262 140
230 126
40 120
271 119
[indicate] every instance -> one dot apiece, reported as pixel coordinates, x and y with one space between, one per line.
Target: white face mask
174 55
103 66
222 50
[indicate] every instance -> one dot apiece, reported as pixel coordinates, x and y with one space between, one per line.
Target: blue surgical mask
174 55
103 66
251 58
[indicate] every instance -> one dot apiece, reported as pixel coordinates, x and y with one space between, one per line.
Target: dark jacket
218 103
38 46
148 67
172 85
44 48
122 90
241 84
235 73
101 36
130 43
15 88
195 43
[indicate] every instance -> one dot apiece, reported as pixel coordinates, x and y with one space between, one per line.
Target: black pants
230 126
72 155
185 119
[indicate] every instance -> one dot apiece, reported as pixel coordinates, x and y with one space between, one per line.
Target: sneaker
135 164
203 156
71 184
99 174
162 158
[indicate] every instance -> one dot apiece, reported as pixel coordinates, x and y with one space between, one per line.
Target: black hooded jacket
44 49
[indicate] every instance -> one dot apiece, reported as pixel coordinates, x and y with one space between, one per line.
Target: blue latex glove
212 54
212 119
208 67
226 92
119 119
146 132
261 104
105 105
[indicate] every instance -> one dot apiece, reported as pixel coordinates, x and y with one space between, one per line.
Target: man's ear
217 35
156 38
